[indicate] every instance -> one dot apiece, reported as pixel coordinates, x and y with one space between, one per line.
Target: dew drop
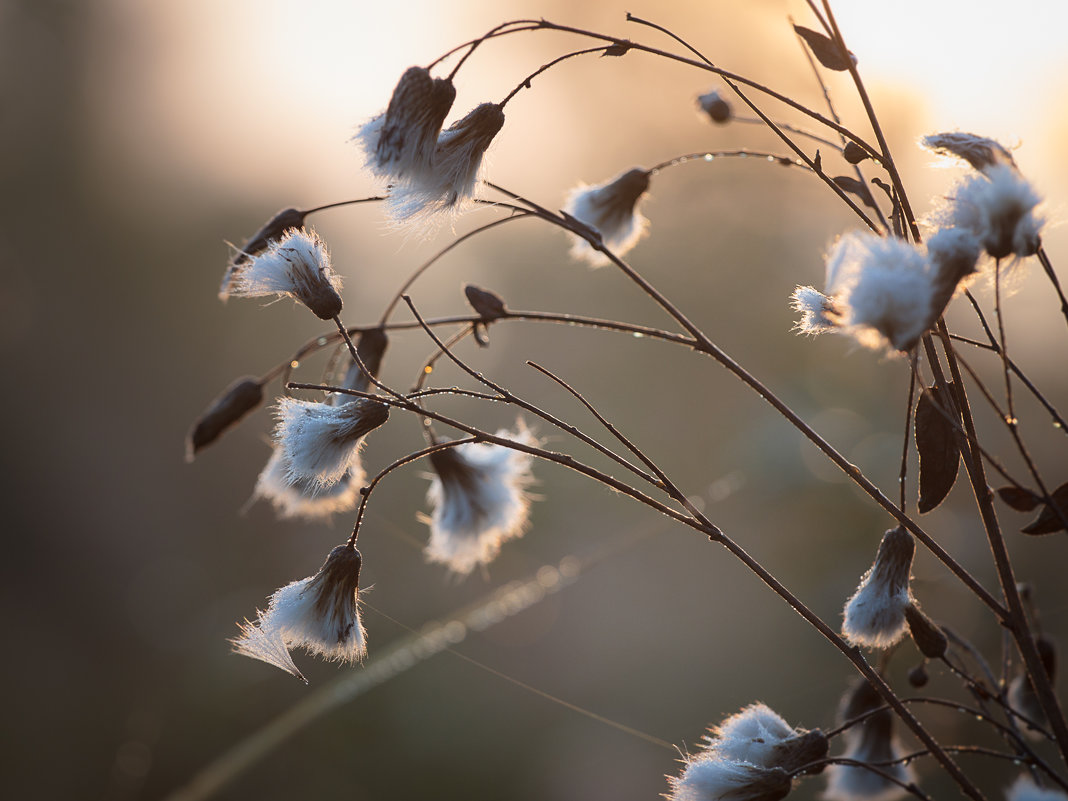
709 157
638 335
771 159
294 364
1056 424
1017 762
743 155
321 341
428 369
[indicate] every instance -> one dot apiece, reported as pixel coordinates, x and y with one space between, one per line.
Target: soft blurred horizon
142 137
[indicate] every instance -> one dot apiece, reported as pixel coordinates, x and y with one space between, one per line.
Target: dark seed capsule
239 399
918 676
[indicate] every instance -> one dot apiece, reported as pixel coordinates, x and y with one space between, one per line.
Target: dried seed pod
1022 500
927 635
1052 517
826 50
258 242
918 676
371 347
713 104
488 305
936 442
854 153
239 399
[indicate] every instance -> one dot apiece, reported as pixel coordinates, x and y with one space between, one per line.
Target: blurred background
138 138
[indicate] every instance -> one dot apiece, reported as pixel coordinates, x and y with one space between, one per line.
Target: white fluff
399 143
448 183
721 780
1025 789
297 265
320 442
871 741
308 499
266 644
479 501
751 735
979 151
319 613
748 756
332 634
851 783
883 288
999 206
611 209
875 614
815 309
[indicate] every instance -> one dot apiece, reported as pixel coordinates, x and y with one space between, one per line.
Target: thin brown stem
433 259
355 354
366 491
508 397
1017 622
794 129
886 158
830 105
341 203
704 345
563 459
812 164
1059 421
741 153
525 83
1047 266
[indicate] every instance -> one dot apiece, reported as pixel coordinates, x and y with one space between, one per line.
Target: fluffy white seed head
611 209
307 499
271 230
296 265
953 253
1025 789
978 151
759 736
1000 208
479 501
454 170
320 442
875 614
723 780
883 288
399 143
886 291
854 783
818 312
319 614
749 735
872 741
751 755
1022 696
